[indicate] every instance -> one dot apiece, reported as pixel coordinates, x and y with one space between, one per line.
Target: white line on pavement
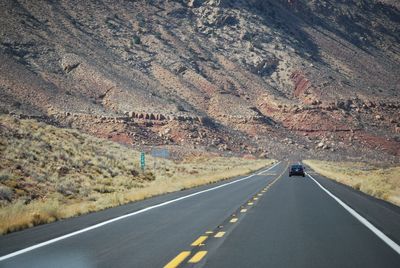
360 218
264 171
54 240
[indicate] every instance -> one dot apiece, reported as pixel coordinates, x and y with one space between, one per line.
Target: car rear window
297 166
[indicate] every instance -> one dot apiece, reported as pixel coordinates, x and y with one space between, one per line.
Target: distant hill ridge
318 78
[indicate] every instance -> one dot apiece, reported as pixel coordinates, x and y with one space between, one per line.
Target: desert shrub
38 177
67 188
136 40
111 24
6 193
134 172
180 108
106 182
62 171
148 176
45 213
357 186
117 199
158 35
85 191
113 173
103 189
207 122
4 176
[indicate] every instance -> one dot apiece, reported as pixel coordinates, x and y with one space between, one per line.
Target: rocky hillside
262 77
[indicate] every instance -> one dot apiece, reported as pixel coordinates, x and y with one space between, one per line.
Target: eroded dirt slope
318 78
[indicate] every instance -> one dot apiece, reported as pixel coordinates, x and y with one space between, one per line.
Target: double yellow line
199 255
196 257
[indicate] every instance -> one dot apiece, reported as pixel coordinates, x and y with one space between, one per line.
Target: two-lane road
263 220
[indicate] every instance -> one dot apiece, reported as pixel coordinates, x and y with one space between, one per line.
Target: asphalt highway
263 220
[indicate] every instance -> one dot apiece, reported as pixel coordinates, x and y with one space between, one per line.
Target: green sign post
142 161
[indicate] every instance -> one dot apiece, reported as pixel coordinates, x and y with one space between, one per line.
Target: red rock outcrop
301 83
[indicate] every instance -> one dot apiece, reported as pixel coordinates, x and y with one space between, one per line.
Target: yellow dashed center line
178 259
219 234
198 256
199 241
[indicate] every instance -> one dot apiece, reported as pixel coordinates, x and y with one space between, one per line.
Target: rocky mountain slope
268 78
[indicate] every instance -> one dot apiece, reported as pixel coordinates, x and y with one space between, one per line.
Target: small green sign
142 160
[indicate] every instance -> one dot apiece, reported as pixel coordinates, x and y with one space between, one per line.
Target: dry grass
380 182
196 172
48 173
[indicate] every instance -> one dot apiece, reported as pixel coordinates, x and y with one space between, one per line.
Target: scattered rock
194 3
167 131
70 62
344 105
320 145
62 171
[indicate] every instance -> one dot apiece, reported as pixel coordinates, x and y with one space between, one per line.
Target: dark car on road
296 170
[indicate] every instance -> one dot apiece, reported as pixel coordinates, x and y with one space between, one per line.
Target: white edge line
51 241
263 171
360 218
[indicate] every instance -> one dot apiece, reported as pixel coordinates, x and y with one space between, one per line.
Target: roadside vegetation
49 173
379 181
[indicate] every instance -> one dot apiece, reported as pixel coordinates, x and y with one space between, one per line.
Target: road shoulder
383 215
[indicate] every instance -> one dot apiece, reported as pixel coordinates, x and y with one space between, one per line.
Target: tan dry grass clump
382 183
48 173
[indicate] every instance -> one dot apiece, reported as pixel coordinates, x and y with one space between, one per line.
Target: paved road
297 224
266 220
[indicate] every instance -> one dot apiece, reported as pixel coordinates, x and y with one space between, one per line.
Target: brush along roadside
376 180
49 173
